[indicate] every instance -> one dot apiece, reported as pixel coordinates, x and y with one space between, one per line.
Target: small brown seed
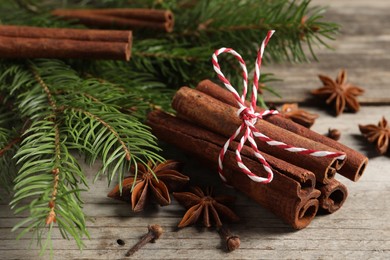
232 241
334 134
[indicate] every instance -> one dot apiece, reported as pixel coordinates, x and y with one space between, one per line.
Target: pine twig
109 127
57 148
10 145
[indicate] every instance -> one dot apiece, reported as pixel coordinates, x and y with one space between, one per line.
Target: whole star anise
169 179
378 134
339 92
299 116
204 203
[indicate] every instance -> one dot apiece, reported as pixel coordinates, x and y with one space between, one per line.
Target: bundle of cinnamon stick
37 42
128 18
206 118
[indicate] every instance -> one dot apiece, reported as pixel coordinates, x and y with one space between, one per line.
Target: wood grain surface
362 48
359 230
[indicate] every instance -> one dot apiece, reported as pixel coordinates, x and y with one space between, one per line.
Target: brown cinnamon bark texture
65 33
222 119
17 47
354 165
135 13
333 196
298 180
283 196
127 18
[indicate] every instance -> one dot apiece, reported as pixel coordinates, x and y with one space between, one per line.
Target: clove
232 241
334 134
154 232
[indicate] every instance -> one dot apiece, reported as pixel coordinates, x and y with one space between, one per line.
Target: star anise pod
200 203
339 92
146 184
299 116
378 134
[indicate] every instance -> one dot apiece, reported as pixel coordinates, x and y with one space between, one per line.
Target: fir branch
295 23
51 217
183 57
110 129
68 112
56 178
110 137
143 86
45 88
11 130
10 145
41 158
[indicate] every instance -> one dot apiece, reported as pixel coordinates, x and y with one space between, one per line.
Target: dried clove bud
155 231
232 241
334 134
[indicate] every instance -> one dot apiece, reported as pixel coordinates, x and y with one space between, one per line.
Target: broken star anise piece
339 92
378 134
299 116
146 184
200 203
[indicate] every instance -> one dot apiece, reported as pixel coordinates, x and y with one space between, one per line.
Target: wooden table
359 230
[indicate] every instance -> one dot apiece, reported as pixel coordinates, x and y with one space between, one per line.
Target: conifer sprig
9 140
165 62
183 57
68 112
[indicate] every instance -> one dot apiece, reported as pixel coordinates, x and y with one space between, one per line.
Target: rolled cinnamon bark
222 119
333 196
354 165
297 212
303 180
65 33
92 19
281 196
157 15
17 47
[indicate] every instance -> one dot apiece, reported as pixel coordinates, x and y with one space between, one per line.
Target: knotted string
249 118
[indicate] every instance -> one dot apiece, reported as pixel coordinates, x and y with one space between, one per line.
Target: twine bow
249 118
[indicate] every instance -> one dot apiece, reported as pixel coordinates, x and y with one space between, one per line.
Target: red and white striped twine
249 118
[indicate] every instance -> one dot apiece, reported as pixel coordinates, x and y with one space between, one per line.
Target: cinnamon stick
355 163
280 196
222 119
94 19
18 47
157 15
333 196
301 181
65 33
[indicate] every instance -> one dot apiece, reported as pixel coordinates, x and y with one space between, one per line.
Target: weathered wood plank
204 241
359 230
362 47
214 253
354 229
